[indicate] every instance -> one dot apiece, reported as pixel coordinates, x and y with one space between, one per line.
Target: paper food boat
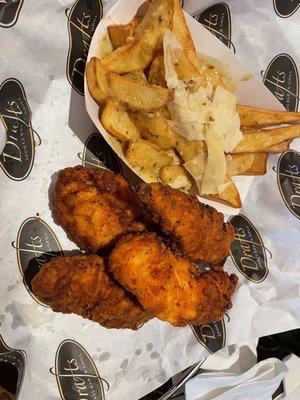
250 91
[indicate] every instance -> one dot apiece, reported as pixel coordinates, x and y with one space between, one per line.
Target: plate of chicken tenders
154 252
191 127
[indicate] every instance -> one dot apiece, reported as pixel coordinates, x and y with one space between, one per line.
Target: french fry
97 80
246 164
251 116
238 164
138 76
230 195
279 148
117 122
119 33
259 165
259 141
155 128
176 176
140 96
147 158
147 40
188 149
157 71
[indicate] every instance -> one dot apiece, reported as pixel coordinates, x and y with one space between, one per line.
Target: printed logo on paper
12 366
212 336
76 373
98 153
36 244
217 20
9 12
286 8
288 179
83 19
282 79
247 250
15 114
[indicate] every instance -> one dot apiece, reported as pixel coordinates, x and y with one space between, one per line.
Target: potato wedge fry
230 195
117 122
238 164
259 141
246 164
189 149
147 40
96 78
119 33
183 36
251 116
140 96
259 165
137 76
147 158
279 148
157 71
155 128
176 176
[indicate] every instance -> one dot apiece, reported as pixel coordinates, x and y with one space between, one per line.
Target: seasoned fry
279 148
176 176
183 36
157 71
119 33
255 141
259 166
140 96
97 80
155 128
117 122
238 164
138 76
246 164
251 116
148 158
147 40
189 149
230 195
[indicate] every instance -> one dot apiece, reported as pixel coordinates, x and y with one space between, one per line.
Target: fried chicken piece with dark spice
95 207
198 230
167 284
80 285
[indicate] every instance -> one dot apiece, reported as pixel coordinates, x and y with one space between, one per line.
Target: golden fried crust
95 207
80 285
168 285
198 230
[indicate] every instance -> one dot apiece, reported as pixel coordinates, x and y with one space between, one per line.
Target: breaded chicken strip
199 231
95 207
80 285
168 285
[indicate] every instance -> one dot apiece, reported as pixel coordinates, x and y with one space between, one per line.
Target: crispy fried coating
95 207
198 230
80 285
167 284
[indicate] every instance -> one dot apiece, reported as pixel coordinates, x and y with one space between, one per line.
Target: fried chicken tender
80 285
167 284
198 230
95 207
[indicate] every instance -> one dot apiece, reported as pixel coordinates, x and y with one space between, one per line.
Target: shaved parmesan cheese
203 114
215 171
196 168
225 119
